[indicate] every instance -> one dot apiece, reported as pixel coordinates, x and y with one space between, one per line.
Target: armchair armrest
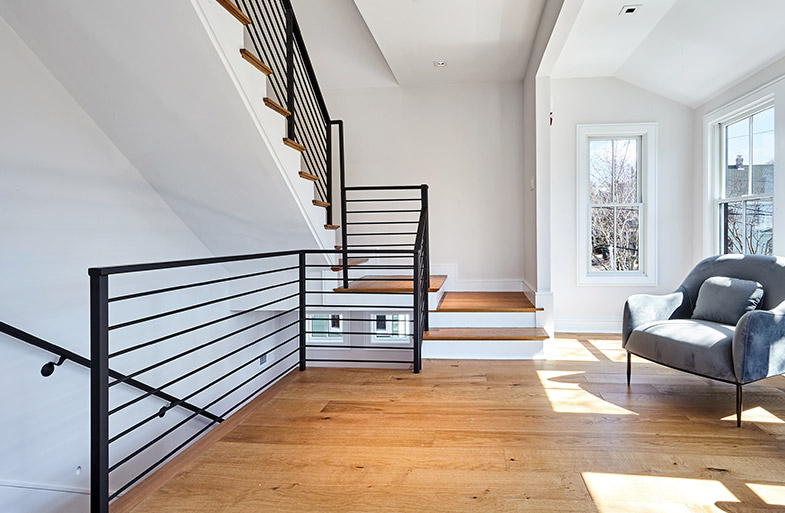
759 345
644 308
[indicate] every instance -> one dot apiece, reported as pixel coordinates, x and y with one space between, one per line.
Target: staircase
476 325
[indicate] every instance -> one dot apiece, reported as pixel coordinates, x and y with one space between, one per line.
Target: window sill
617 279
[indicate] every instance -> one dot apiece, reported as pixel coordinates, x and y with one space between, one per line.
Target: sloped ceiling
342 49
686 50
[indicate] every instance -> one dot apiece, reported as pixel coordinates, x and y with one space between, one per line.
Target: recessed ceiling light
439 64
630 9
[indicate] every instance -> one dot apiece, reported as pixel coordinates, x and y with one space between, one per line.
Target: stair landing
389 284
486 302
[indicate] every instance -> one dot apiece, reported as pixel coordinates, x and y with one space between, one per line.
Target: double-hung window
616 230
747 168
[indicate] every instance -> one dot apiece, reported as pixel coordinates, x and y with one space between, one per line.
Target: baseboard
179 463
454 282
590 325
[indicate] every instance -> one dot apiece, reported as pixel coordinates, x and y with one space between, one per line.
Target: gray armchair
660 328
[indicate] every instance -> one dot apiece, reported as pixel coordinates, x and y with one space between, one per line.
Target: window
325 328
391 328
616 187
747 198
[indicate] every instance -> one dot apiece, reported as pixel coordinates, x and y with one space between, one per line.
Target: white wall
465 142
609 100
770 80
71 200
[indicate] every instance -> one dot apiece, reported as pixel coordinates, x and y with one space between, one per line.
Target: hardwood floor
562 435
486 302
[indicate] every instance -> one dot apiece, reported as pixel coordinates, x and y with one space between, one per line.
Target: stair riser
484 349
483 320
373 299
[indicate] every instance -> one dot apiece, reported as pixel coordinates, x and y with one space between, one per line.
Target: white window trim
392 341
714 174
648 237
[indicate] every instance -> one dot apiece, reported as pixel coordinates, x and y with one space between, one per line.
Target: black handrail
65 355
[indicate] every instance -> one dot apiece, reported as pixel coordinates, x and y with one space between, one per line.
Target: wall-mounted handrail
65 355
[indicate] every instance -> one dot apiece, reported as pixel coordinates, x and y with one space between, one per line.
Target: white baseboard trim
592 325
455 284
44 487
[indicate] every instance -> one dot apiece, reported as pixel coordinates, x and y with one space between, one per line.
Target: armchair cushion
693 345
724 300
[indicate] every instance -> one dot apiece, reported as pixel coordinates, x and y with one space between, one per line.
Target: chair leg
629 368
738 405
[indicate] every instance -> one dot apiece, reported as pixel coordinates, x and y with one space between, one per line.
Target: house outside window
325 328
616 186
389 327
746 202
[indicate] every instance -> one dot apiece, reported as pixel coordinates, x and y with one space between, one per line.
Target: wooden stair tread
293 144
486 302
486 334
374 284
320 203
351 262
276 107
308 176
255 62
235 11
331 226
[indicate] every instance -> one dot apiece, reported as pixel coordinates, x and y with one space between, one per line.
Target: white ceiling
480 40
687 50
342 50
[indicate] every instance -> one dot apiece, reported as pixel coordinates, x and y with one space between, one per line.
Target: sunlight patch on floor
611 349
770 494
757 414
568 397
568 349
570 380
614 493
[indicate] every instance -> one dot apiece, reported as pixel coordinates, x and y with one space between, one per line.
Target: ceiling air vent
630 9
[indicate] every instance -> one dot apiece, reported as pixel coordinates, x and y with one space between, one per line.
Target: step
397 284
293 144
439 319
486 334
320 203
277 108
529 349
235 11
331 226
486 302
351 262
308 176
255 62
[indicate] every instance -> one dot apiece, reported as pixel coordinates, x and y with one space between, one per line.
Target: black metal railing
278 42
216 332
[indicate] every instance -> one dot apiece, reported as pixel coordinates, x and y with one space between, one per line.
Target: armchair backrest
769 271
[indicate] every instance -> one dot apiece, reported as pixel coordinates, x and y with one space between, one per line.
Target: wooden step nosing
331 227
272 104
235 11
319 203
308 176
293 144
255 62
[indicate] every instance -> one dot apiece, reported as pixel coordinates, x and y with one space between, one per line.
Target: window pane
627 239
602 239
319 326
732 223
737 154
625 160
600 171
759 233
763 152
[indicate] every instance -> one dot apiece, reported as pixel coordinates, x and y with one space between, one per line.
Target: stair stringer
228 37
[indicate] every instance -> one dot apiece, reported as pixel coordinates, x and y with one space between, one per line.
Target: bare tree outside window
615 204
746 208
